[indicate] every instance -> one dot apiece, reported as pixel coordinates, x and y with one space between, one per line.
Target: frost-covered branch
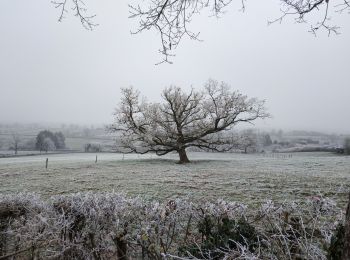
319 12
171 18
79 10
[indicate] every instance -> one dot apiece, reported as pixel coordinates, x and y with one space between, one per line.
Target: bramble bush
113 226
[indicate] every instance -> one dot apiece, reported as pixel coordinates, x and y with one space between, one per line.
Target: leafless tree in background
172 17
15 142
183 120
248 140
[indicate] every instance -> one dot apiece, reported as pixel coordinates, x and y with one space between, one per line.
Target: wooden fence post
47 163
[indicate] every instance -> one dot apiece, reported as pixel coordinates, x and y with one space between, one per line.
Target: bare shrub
112 226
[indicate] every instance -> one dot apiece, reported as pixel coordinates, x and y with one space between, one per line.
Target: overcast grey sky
59 72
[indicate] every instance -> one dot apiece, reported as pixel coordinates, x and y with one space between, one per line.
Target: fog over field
62 73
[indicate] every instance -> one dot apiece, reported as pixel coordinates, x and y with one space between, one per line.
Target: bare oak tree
183 120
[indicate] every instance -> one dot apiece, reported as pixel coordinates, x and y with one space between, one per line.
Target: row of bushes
112 226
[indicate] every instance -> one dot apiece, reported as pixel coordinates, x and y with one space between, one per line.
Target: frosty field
240 177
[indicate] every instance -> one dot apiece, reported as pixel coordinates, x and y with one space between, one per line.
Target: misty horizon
61 125
61 73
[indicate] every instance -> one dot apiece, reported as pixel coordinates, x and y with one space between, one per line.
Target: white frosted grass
249 178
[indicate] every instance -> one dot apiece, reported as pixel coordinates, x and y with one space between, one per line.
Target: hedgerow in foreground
112 226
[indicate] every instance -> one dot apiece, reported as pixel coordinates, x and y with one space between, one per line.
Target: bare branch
172 17
79 10
320 9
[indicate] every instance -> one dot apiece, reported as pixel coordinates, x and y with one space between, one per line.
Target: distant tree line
48 141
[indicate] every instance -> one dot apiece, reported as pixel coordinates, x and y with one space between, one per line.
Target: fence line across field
277 155
96 159
150 156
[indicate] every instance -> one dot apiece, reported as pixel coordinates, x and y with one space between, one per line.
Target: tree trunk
183 156
346 249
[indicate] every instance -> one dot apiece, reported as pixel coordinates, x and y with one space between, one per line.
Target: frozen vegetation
112 226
